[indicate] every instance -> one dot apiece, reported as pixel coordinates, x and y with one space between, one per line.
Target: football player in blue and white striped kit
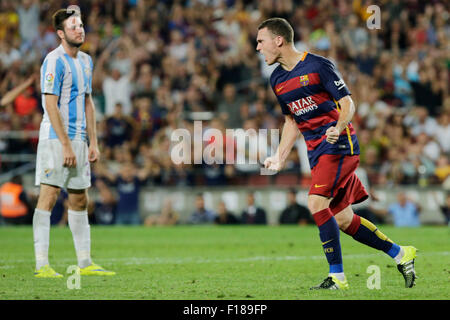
67 143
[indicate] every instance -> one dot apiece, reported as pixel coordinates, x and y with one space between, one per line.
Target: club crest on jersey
304 80
87 72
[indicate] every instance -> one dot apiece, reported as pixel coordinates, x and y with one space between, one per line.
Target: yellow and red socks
364 231
329 235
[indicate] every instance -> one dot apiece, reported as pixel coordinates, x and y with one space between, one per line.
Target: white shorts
50 170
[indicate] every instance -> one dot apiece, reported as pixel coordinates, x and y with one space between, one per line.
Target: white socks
81 233
41 236
79 225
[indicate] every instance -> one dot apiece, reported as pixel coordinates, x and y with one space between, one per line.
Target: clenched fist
332 134
273 163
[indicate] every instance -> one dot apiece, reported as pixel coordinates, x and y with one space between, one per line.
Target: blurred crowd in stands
160 65
123 209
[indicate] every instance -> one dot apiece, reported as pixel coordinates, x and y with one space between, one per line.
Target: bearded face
73 32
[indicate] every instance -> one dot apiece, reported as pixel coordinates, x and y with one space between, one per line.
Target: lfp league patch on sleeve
49 81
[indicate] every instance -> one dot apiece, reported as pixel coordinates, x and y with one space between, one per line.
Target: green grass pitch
220 263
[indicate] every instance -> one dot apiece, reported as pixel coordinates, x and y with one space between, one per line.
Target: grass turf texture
220 263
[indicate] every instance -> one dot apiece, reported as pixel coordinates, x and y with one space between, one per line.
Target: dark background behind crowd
160 65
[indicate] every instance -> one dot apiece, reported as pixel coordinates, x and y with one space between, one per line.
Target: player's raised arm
51 105
345 116
289 135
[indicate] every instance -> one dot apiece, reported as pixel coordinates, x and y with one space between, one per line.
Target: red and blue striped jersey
310 93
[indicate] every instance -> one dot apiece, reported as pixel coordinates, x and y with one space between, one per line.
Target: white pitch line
196 260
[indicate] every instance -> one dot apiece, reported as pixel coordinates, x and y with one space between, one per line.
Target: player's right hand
273 163
69 159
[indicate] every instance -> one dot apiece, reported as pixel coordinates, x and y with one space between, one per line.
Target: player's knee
315 204
78 200
47 200
313 207
344 219
78 206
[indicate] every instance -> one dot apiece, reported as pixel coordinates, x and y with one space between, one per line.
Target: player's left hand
94 154
332 134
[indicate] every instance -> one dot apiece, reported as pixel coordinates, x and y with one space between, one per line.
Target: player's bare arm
288 137
91 129
345 116
51 105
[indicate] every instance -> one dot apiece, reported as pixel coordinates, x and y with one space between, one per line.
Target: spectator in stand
229 106
119 128
253 214
445 209
442 171
28 11
194 56
443 131
104 207
128 183
421 122
11 95
295 213
404 212
147 119
116 84
167 217
224 216
26 103
15 206
201 215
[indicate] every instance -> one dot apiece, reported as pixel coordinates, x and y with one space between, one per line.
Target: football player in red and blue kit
315 101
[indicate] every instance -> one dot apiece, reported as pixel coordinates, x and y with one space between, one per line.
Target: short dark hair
279 27
60 16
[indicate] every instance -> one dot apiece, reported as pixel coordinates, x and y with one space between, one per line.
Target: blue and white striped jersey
70 79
